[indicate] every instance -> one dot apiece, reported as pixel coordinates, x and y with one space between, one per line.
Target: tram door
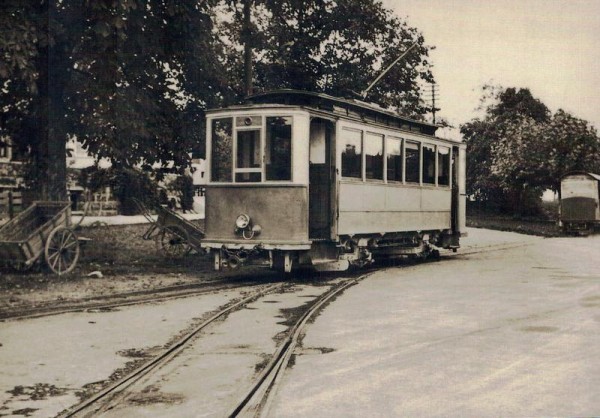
320 178
455 191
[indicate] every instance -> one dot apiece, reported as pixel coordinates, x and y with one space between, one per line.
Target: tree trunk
246 36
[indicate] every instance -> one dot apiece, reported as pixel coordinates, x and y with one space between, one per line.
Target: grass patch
120 249
529 226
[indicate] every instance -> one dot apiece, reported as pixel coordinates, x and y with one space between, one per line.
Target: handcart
174 234
43 229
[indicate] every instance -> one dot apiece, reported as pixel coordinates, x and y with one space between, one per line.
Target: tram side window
278 148
393 148
443 166
221 154
352 154
248 156
428 164
374 156
412 161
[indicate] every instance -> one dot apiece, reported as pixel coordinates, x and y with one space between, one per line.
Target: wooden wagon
174 234
43 229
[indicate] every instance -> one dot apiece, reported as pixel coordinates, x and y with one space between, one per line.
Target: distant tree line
131 79
518 149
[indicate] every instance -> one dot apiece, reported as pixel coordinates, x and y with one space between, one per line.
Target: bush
183 186
127 184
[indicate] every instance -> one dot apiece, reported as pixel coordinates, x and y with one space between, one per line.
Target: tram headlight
244 227
242 221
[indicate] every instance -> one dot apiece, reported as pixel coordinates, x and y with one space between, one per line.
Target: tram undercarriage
326 255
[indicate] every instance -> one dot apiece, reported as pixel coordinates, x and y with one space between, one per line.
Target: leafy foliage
126 184
519 149
131 79
183 187
335 47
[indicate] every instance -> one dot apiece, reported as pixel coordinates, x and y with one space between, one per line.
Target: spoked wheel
62 250
174 241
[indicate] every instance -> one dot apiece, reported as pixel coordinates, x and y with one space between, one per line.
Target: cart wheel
62 250
174 241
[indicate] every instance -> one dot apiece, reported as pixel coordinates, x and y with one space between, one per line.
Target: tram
580 202
299 178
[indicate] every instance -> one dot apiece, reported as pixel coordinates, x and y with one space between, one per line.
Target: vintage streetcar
579 202
305 179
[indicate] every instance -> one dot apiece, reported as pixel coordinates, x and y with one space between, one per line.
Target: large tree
569 144
518 149
129 78
33 70
336 47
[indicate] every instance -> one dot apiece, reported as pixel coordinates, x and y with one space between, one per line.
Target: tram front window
278 149
248 156
222 142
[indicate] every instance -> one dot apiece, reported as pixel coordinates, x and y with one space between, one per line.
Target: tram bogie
299 178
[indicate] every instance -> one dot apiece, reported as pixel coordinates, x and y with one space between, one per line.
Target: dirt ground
116 260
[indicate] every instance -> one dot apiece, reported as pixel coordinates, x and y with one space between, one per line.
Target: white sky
548 46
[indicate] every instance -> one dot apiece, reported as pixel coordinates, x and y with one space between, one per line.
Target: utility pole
433 97
246 36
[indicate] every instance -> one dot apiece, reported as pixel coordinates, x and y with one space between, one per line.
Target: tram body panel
380 208
281 212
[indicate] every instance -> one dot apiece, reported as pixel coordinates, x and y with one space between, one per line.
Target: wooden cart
174 234
43 229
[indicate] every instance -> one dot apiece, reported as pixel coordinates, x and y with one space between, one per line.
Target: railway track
265 384
257 400
128 298
174 292
110 395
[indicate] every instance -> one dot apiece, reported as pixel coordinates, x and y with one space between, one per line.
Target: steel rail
118 300
266 383
159 360
489 248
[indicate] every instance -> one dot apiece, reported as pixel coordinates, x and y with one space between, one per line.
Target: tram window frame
443 170
429 161
254 168
358 157
369 139
409 169
251 170
278 170
218 167
399 171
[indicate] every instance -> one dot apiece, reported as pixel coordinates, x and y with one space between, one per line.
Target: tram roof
582 173
343 106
